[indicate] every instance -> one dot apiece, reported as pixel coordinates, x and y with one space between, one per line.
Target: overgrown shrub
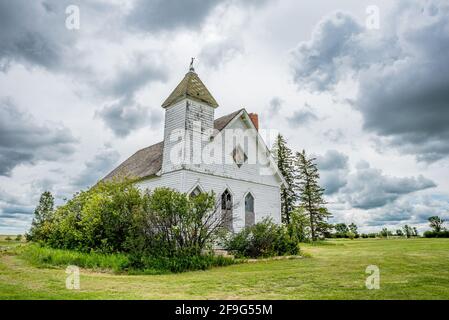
172 223
98 219
435 234
181 263
42 256
264 239
299 226
117 217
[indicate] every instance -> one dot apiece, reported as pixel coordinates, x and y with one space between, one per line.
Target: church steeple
189 116
191 87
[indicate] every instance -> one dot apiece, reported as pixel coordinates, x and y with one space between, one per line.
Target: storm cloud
411 210
96 168
334 170
125 114
369 188
401 69
302 117
158 15
24 141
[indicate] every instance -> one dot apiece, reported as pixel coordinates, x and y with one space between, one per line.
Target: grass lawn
409 269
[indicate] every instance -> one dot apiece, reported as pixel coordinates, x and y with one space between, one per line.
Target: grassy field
409 269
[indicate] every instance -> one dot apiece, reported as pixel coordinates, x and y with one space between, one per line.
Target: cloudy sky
368 97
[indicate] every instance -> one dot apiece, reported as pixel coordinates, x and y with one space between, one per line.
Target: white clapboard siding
267 197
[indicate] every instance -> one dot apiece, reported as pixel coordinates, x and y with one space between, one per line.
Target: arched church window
226 210
250 215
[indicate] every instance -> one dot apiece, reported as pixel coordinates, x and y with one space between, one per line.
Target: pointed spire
191 87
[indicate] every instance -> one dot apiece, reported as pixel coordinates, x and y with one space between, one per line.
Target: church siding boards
267 197
191 107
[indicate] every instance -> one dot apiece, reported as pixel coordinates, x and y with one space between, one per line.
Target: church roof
148 161
144 163
191 86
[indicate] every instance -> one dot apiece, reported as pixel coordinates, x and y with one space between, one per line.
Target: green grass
46 257
40 256
409 269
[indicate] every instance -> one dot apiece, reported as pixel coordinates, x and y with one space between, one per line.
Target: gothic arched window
226 209
250 216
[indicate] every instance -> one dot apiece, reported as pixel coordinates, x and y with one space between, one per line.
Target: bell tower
189 117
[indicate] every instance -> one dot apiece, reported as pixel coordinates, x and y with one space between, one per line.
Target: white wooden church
202 154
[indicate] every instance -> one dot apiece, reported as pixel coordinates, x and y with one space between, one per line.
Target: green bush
264 239
162 230
119 262
98 219
181 263
435 234
171 223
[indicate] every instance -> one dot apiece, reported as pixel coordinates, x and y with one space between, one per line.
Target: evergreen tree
284 159
311 195
42 214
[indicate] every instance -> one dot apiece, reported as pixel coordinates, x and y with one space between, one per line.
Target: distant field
409 269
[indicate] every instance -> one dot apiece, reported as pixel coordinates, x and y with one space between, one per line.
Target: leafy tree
341 229
385 233
263 239
171 222
353 228
19 237
311 195
408 231
436 223
299 226
43 215
284 158
117 217
415 232
399 233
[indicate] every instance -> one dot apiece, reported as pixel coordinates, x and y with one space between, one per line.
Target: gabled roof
191 86
148 161
144 163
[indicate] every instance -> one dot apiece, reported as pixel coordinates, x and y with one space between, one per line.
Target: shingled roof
191 86
148 161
